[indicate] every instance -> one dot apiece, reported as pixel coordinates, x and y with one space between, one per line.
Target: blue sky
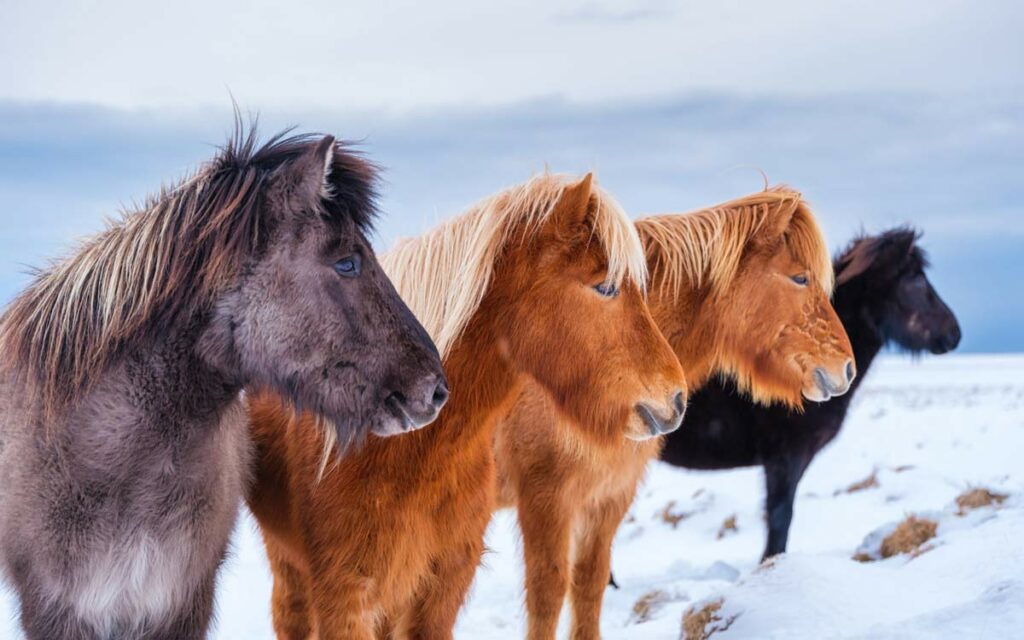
881 113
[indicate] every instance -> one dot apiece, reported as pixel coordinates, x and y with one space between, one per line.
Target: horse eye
800 279
348 267
607 289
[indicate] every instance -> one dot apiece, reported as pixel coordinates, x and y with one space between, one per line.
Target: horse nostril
396 397
679 402
851 371
441 394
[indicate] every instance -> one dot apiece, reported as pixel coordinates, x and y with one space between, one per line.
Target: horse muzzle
656 421
829 385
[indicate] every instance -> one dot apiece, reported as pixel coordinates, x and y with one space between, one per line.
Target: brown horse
541 282
741 289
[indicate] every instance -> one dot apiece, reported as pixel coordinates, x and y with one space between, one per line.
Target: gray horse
123 438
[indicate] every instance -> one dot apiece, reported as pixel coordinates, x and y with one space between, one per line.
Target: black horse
882 296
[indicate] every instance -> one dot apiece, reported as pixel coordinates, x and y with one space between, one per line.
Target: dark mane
894 249
352 181
166 259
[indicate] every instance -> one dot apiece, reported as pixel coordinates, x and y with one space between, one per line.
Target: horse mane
864 251
706 247
460 254
168 257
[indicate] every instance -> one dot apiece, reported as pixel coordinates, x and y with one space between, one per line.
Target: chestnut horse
541 282
740 289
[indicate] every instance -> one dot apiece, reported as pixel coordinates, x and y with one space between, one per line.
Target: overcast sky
882 113
410 54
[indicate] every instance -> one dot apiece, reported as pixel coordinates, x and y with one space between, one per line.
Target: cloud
407 55
609 12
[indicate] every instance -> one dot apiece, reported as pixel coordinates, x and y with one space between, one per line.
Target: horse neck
689 321
483 386
173 389
864 336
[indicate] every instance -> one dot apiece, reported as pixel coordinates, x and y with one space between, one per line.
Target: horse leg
441 594
546 525
781 478
592 566
289 600
342 600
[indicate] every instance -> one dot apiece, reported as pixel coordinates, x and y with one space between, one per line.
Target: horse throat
483 382
689 321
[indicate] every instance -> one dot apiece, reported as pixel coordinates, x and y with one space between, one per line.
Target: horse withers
124 448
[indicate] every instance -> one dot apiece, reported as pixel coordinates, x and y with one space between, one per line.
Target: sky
881 113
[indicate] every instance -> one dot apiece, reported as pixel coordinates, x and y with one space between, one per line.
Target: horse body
386 545
882 297
124 437
721 294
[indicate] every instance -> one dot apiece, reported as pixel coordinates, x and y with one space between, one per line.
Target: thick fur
123 442
386 545
882 297
721 294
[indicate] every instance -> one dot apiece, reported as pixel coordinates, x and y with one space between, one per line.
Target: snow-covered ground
929 429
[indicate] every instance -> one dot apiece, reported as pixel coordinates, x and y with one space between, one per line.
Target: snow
929 428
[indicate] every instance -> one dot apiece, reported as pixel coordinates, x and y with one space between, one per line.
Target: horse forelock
706 247
444 274
864 253
807 242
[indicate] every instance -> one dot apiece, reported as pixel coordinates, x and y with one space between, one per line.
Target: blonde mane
444 274
706 247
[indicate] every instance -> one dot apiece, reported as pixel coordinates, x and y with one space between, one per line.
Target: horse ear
777 219
573 206
310 173
323 160
901 243
854 265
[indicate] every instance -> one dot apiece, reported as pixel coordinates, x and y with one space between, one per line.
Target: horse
124 446
883 297
739 289
542 281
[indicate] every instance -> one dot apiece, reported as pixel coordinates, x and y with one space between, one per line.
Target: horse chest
143 577
152 536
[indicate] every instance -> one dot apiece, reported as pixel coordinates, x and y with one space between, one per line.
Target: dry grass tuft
672 517
863 557
728 527
648 604
908 536
701 624
977 498
869 482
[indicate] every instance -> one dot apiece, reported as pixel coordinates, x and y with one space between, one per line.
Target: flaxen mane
706 247
169 257
459 255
